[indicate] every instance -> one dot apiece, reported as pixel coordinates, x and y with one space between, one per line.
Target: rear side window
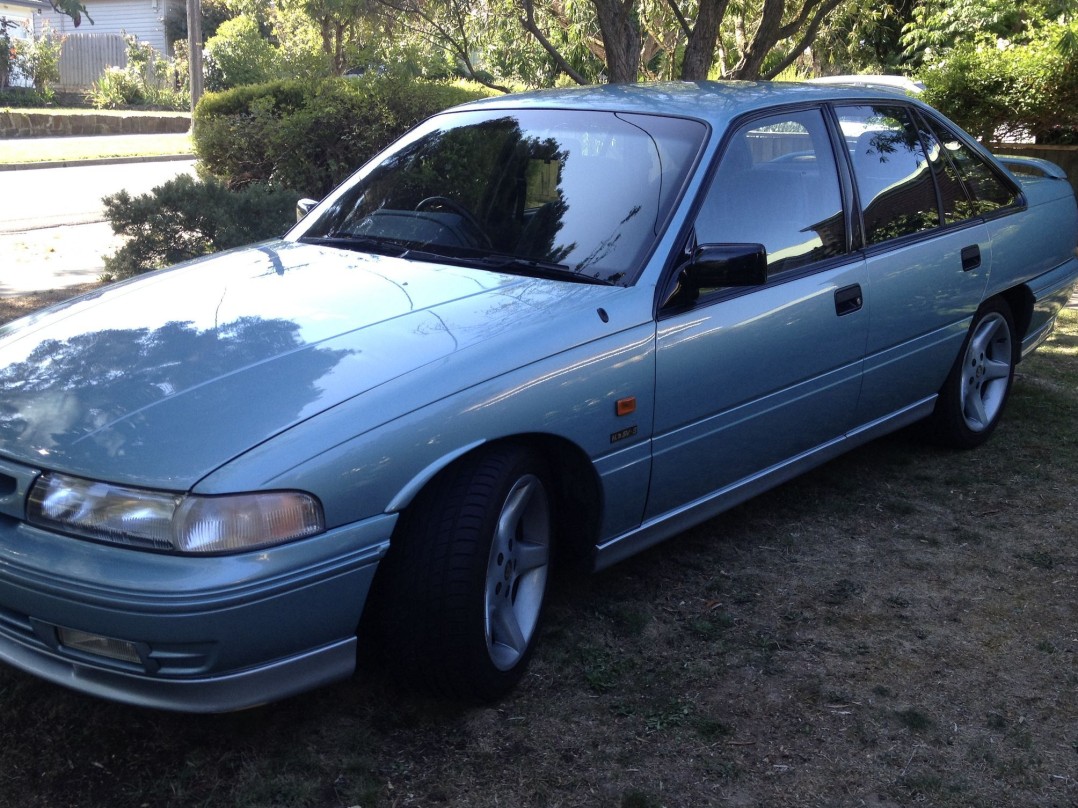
894 180
953 196
777 185
987 191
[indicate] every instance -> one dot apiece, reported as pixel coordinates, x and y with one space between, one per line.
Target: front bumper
212 633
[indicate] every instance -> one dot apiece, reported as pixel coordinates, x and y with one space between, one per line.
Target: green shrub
117 87
7 53
993 90
308 136
186 218
38 58
238 54
26 97
148 79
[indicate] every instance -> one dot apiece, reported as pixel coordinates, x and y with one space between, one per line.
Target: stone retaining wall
48 124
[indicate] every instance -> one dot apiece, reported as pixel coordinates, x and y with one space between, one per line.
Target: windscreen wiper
513 265
537 268
372 244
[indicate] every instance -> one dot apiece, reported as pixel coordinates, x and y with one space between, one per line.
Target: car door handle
848 299
971 257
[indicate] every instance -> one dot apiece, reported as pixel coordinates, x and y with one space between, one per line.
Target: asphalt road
47 197
53 231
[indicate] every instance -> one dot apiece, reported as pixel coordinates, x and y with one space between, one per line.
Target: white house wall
143 18
20 14
23 17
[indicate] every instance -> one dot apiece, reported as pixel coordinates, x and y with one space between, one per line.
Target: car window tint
777 185
987 192
956 203
894 180
587 190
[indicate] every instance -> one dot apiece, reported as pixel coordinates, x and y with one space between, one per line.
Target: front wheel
971 402
463 584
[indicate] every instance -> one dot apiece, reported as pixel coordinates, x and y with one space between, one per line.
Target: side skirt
680 519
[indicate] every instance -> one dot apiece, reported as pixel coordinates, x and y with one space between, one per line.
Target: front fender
571 396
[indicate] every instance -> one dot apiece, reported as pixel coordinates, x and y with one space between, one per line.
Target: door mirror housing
717 265
303 207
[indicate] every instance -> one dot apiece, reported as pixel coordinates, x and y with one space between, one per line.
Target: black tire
973 398
461 589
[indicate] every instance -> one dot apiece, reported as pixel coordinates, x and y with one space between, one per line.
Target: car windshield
558 193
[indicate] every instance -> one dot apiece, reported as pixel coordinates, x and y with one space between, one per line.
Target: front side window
894 180
777 185
562 191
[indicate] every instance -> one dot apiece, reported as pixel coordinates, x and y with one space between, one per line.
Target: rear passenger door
928 255
751 379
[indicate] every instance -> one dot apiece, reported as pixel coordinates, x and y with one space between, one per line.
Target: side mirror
717 265
303 207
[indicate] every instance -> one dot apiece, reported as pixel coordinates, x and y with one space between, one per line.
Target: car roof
873 80
715 101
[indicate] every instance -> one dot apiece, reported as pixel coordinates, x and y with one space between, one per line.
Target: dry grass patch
896 627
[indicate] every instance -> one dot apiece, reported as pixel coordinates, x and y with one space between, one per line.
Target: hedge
307 137
1016 90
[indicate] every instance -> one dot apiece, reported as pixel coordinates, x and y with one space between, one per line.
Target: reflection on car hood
161 380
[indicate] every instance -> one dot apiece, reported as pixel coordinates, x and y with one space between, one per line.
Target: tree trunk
621 39
763 39
700 49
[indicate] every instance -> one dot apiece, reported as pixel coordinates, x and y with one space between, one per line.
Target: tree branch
686 29
806 39
528 21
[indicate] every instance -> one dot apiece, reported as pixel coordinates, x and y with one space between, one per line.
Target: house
91 47
19 14
21 10
145 19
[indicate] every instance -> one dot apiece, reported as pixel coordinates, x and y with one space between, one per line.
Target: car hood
161 380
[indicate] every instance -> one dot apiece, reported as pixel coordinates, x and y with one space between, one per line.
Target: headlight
176 522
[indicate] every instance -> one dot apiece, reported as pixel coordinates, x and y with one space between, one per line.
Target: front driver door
749 381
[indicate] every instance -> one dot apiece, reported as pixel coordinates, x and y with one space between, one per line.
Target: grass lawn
36 150
894 628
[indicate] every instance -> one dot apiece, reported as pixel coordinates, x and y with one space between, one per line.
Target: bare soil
898 627
21 305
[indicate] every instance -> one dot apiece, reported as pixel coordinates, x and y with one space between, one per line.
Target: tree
939 26
345 26
73 9
449 25
863 36
995 89
619 40
632 32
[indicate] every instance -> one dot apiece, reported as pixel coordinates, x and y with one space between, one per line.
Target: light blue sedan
561 325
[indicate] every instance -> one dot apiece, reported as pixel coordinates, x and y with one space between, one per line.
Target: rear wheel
463 584
972 400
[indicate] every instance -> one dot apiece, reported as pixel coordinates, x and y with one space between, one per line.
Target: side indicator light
626 406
